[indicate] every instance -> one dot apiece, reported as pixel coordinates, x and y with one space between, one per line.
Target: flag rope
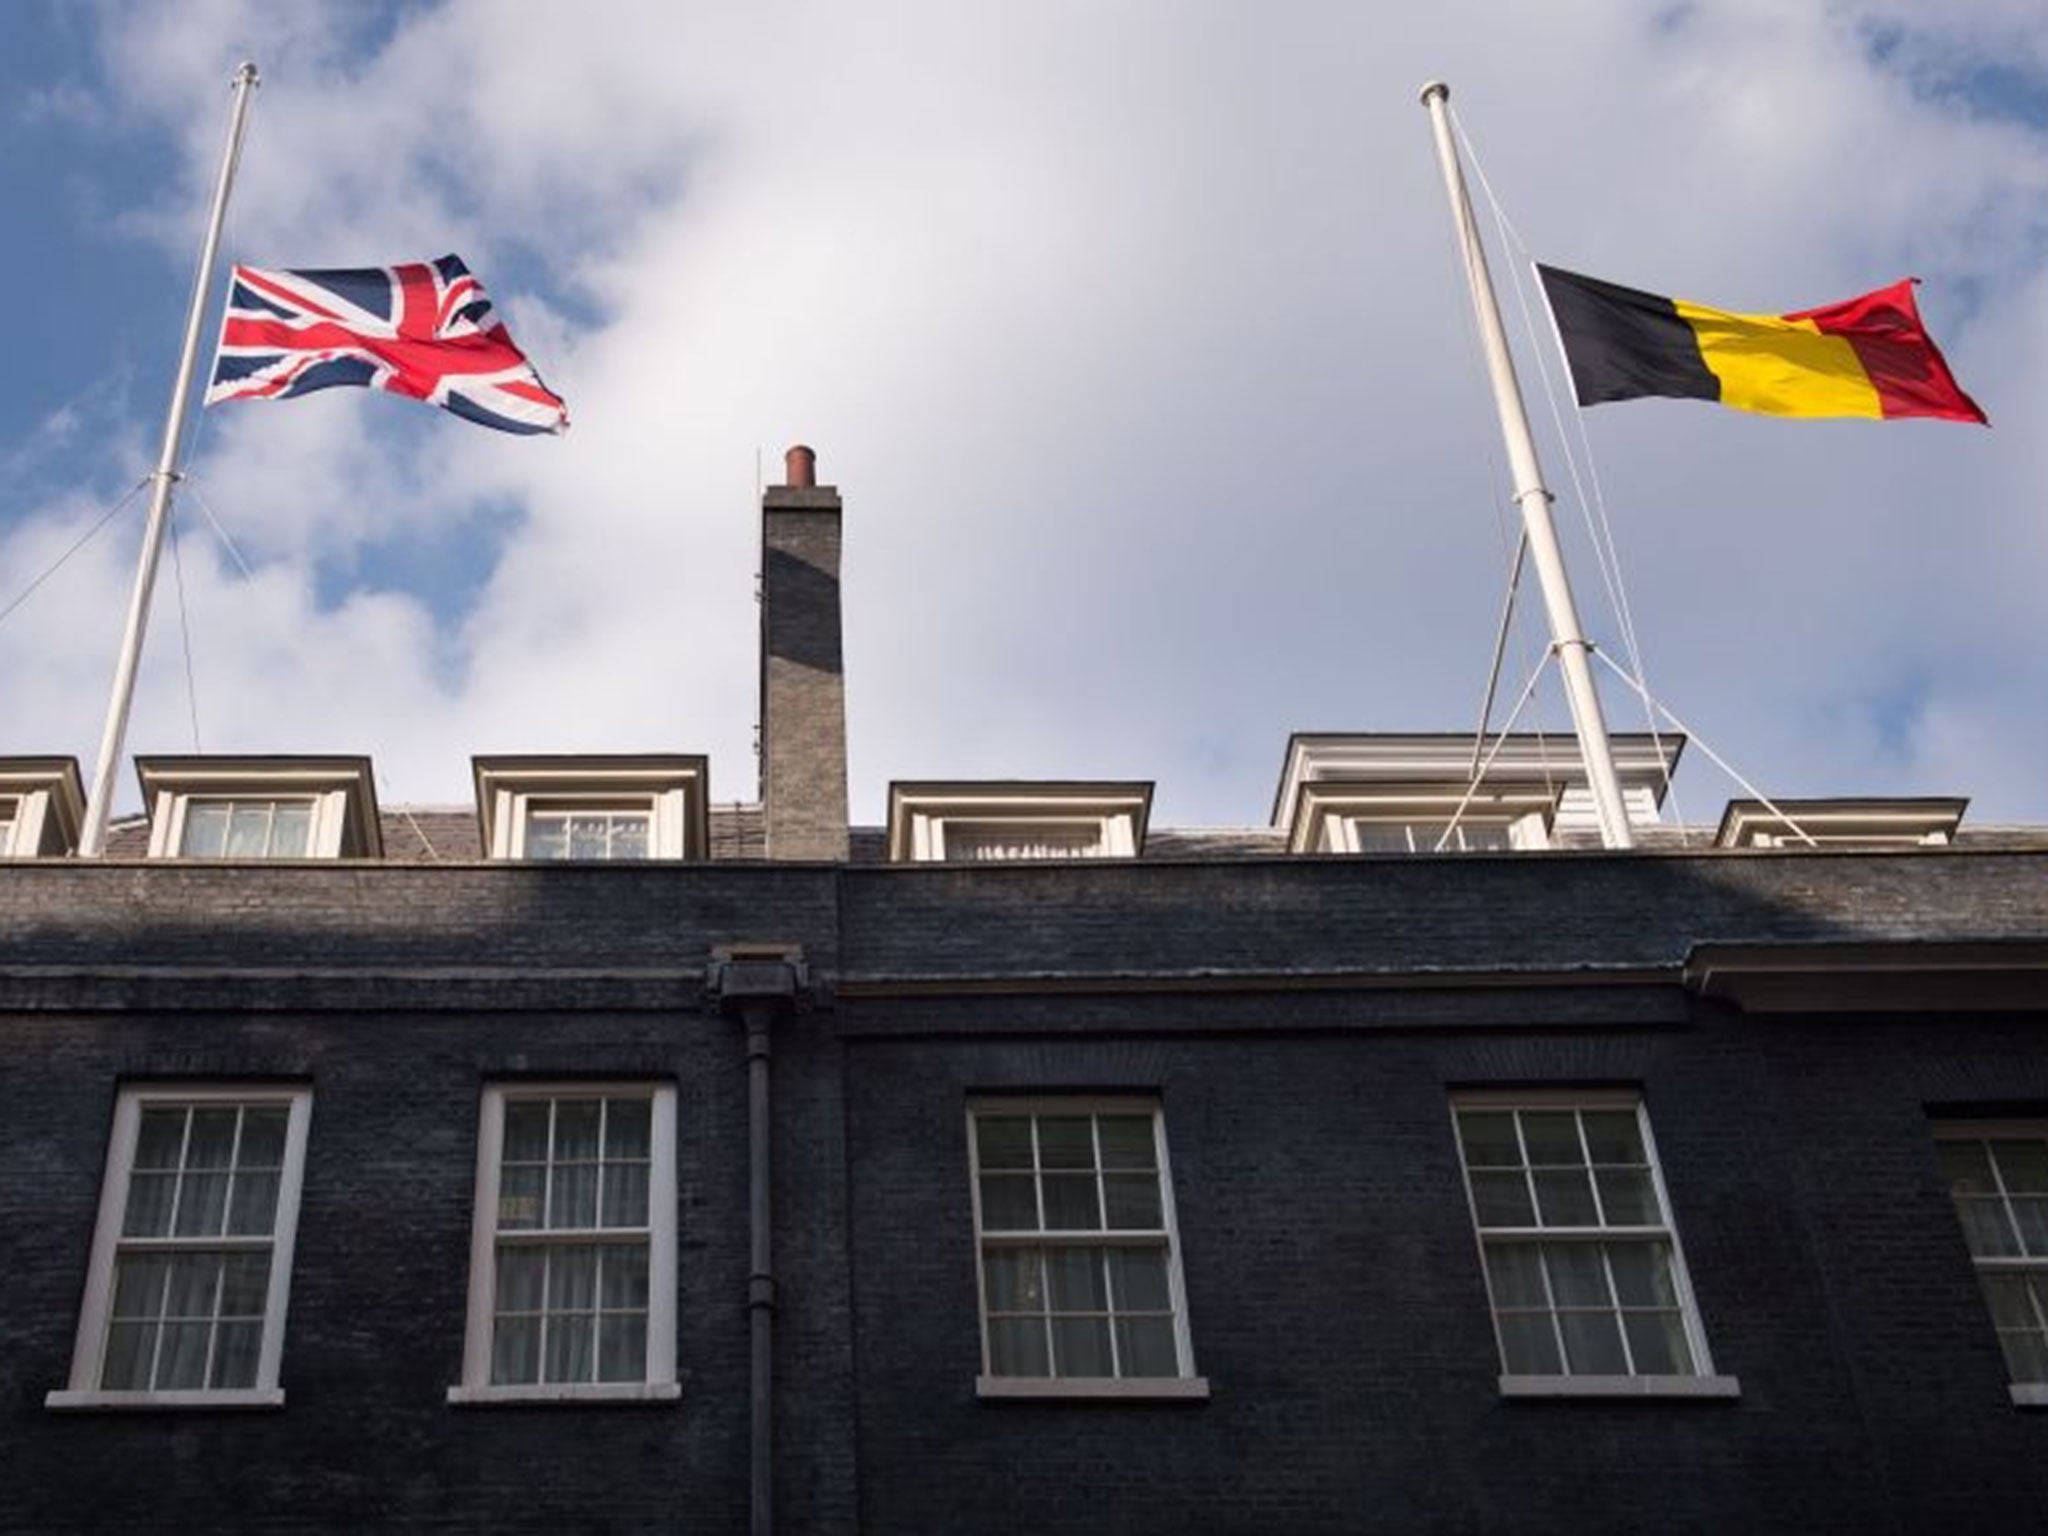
79 543
184 631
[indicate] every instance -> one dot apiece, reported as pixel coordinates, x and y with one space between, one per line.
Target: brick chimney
803 686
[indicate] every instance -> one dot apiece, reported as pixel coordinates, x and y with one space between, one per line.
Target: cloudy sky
1131 333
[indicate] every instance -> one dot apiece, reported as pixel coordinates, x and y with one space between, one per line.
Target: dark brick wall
366 1440
1337 1305
1280 1011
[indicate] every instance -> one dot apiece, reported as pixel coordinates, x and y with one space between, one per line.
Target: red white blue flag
425 330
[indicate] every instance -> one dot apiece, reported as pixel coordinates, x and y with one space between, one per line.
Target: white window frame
13 817
1186 1384
94 1315
323 826
49 804
2025 1394
1346 834
1701 1381
659 1383
664 811
1108 837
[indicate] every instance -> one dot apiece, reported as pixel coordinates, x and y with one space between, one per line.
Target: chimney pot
800 468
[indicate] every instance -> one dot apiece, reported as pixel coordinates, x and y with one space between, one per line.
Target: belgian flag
1868 356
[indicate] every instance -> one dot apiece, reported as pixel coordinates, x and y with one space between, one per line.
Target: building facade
601 1160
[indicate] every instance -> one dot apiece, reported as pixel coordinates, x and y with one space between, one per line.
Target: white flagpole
92 839
1568 637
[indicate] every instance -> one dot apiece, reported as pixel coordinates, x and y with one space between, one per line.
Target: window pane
236 1349
1133 1201
2024 1166
520 1272
1642 1274
572 1201
566 1353
622 1349
129 1348
1657 1340
1613 1136
1502 1199
1070 1203
291 832
1516 1270
629 838
526 1130
1016 1347
625 1194
1565 1197
139 1285
1552 1136
587 837
263 1138
1126 1141
249 830
1528 1344
1967 1167
253 1210
623 1287
2032 1216
547 837
149 1205
1009 1203
1592 1344
206 829
194 1278
245 1285
1628 1198
1013 1282
1137 1278
628 1127
160 1138
2006 1295
572 1279
1003 1141
212 1144
181 1357
1080 1346
519 1198
515 1350
1985 1225
2026 1356
1066 1141
202 1205
576 1130
1075 1281
1145 1346
1578 1274
1488 1137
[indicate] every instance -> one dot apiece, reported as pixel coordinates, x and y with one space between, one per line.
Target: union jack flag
425 330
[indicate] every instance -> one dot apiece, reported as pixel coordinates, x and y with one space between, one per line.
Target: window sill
2030 1394
1722 1387
230 1398
1129 1389
566 1393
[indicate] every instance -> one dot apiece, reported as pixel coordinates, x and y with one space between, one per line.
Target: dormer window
1413 794
236 828
260 808
1843 825
594 809
42 804
967 823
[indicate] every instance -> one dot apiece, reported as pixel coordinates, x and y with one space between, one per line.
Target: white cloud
1133 338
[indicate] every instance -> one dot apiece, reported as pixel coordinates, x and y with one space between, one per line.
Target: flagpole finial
247 75
1436 90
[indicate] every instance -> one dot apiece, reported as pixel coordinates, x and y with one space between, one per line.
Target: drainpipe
759 985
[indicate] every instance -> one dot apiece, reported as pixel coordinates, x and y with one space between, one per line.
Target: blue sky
1131 334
